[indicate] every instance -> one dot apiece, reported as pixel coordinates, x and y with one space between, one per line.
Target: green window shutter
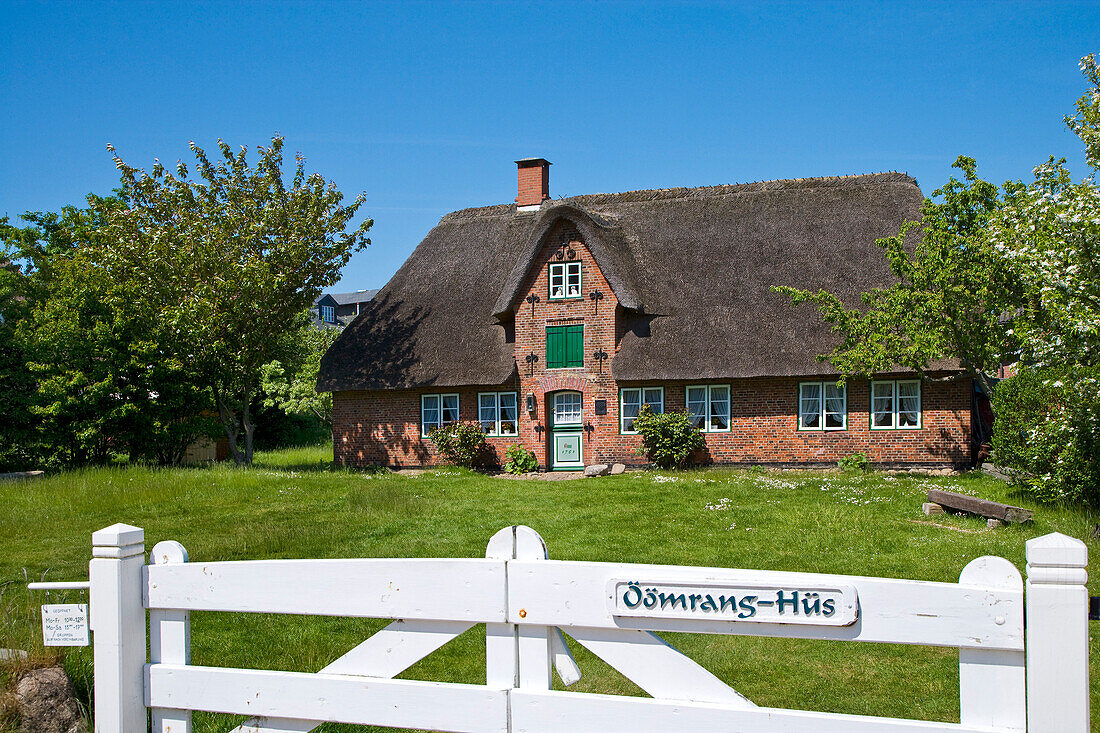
574 351
553 347
564 346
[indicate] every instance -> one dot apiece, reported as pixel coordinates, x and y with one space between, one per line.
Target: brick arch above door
558 382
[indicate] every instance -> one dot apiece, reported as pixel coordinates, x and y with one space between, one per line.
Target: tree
86 349
229 260
1049 231
292 387
16 384
954 296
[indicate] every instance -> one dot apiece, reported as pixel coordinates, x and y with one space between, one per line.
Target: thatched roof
693 267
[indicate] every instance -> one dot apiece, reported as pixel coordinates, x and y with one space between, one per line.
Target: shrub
855 462
1047 431
519 460
668 438
461 443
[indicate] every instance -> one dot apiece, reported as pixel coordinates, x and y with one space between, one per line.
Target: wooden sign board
65 624
821 605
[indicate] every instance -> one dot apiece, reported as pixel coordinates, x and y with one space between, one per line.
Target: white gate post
1057 635
521 655
169 641
992 683
535 649
501 642
118 624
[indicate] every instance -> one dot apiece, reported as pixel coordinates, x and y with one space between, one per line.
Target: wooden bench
983 507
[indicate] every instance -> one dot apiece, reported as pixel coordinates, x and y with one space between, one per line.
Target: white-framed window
437 410
822 406
631 400
497 412
328 314
896 404
568 408
709 405
565 280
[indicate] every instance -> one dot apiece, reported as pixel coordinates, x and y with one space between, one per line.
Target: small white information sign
65 624
822 605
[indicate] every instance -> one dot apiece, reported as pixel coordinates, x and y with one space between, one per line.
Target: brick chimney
534 183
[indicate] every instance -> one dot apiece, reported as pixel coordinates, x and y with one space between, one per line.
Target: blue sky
425 106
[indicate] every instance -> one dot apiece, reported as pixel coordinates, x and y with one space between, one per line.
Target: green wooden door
566 432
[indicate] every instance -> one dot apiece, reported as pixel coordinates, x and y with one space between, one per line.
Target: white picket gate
1006 683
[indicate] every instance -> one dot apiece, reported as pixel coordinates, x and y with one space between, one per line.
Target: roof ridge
654 194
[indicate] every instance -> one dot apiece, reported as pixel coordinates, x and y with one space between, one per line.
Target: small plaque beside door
601 407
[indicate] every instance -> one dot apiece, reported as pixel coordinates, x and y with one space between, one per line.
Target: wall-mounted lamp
531 407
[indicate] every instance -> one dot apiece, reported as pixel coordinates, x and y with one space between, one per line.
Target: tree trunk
986 382
230 424
249 428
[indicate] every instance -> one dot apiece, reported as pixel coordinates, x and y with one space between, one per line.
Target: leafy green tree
954 296
17 439
90 361
230 259
292 385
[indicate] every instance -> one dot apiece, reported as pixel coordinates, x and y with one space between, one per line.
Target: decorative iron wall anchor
531 359
596 296
600 356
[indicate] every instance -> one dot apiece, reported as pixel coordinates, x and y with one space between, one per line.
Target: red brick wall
383 427
764 426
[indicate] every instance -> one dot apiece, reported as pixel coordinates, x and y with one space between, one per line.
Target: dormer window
328 314
565 280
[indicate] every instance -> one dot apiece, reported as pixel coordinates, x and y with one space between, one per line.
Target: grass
294 504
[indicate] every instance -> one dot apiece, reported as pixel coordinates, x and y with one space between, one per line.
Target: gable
604 239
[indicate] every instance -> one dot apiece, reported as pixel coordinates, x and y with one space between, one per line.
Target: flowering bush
462 443
1047 432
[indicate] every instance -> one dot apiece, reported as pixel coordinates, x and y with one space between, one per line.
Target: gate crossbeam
526 601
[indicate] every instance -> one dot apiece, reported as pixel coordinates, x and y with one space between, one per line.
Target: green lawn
293 504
